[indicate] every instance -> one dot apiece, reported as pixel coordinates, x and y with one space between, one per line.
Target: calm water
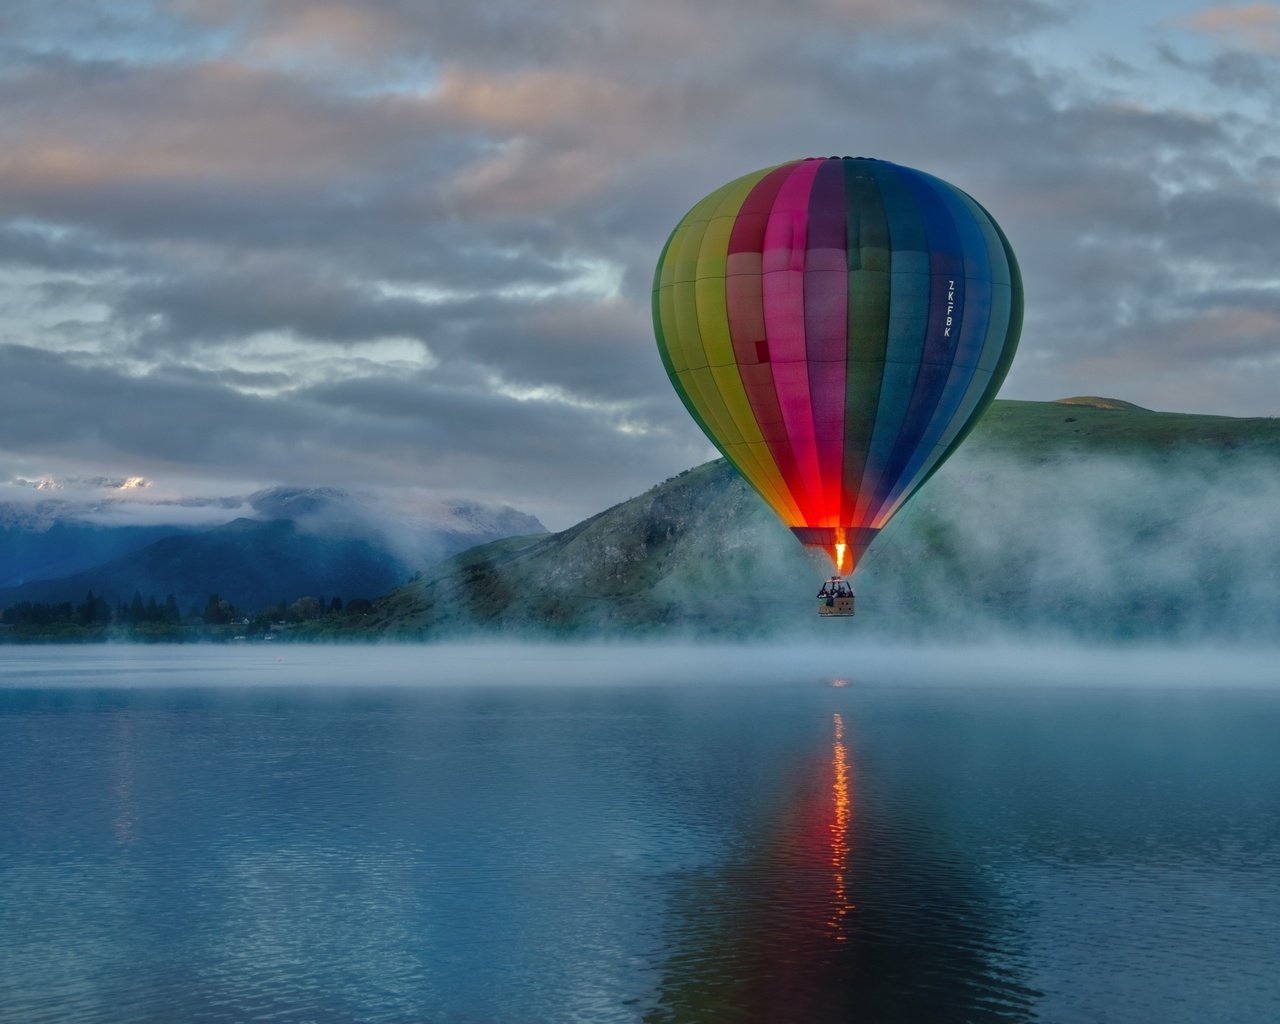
518 836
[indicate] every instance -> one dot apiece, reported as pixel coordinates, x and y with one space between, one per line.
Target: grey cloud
29 246
461 440
600 349
1235 225
1233 70
1243 72
121 28
507 33
240 305
345 172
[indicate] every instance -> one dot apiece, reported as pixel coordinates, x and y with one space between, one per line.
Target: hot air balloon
837 326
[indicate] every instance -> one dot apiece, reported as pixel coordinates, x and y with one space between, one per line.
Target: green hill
1094 402
1102 520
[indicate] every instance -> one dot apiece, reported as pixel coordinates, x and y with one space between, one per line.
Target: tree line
97 611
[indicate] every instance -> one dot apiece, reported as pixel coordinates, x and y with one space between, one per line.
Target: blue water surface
510 834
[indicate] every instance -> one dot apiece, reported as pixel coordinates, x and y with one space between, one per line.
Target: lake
527 834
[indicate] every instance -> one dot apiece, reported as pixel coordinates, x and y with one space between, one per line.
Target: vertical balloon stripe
678 343
752 456
1012 332
696 392
688 353
690 322
698 380
1003 268
908 321
944 311
999 349
744 299
972 331
664 325
867 245
689 356
782 279
712 299
963 381
826 300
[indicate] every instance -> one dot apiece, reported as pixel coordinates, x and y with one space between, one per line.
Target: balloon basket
835 598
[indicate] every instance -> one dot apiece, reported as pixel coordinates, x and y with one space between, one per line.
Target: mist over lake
632 833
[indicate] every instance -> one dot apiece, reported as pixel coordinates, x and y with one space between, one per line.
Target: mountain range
1083 518
275 544
1086 517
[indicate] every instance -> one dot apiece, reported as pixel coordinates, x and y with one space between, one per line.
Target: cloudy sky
409 242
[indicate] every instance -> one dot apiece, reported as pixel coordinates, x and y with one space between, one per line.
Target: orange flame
840 550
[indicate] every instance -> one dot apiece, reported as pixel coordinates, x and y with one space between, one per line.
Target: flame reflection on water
840 830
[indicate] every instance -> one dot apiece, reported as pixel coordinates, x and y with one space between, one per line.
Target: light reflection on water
777 936
682 851
839 828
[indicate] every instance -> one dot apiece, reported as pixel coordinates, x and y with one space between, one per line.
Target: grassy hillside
1054 519
654 562
1104 426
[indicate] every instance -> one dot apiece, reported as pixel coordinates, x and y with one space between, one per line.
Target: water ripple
654 854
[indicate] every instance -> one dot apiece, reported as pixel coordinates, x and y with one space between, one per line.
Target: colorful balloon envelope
836 327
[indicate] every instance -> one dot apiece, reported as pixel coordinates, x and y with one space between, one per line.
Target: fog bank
681 666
